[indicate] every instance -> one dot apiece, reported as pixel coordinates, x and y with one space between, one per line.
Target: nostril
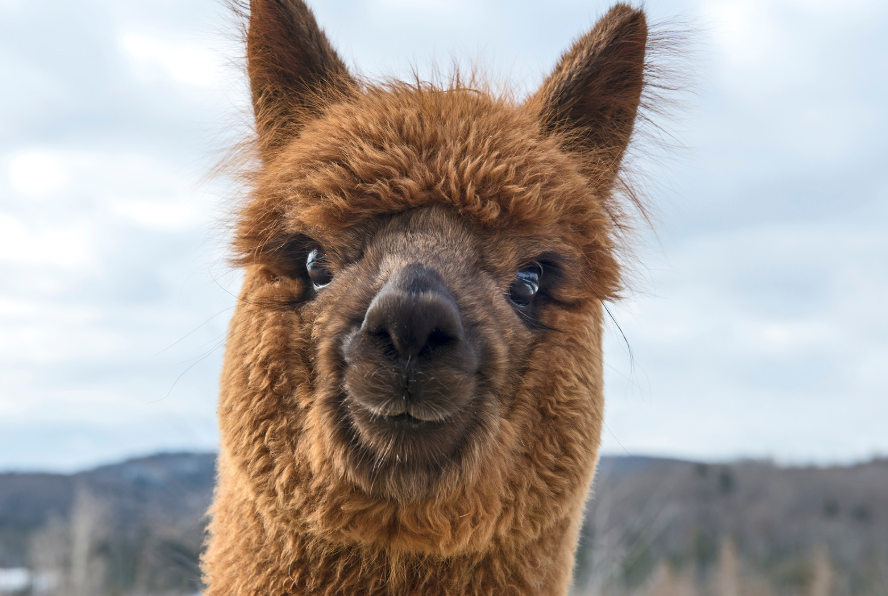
411 329
438 339
383 340
413 315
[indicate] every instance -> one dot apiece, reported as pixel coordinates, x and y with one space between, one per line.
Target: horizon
130 459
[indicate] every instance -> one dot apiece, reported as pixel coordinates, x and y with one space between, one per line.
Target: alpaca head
415 360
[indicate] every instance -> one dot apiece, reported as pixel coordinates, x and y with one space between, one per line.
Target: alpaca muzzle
412 364
414 317
414 338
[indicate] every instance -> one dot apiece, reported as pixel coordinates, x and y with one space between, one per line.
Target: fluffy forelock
386 149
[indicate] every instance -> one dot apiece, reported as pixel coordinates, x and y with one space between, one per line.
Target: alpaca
411 400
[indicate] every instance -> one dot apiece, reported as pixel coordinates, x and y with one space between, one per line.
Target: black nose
414 315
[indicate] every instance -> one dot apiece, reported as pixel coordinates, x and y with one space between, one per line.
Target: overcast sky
758 325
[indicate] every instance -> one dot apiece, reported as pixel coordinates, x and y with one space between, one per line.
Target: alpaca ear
594 92
292 69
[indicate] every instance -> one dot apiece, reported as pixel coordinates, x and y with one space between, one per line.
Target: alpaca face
422 339
419 372
419 316
419 360
416 357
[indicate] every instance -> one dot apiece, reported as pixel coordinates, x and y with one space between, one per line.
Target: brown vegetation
744 529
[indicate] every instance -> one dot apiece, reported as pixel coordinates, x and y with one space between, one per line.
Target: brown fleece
312 497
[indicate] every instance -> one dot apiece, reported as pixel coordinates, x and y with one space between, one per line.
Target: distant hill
137 527
142 519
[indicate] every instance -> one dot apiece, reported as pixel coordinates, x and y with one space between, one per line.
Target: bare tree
668 581
88 529
66 556
822 577
727 576
49 551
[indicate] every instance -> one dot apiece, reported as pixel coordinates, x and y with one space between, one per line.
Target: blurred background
747 419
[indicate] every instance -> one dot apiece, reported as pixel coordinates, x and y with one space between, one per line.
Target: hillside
654 526
773 528
134 527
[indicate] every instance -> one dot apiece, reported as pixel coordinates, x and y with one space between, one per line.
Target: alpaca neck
246 557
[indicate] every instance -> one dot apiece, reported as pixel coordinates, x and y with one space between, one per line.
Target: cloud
760 342
158 214
67 245
152 58
746 31
37 173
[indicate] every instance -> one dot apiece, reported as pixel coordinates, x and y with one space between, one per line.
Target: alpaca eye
526 285
316 265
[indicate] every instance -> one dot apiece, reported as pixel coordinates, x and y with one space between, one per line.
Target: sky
756 326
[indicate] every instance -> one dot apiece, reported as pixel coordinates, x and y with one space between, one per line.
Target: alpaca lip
404 418
408 414
406 432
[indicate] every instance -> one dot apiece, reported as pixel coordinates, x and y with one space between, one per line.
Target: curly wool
301 506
